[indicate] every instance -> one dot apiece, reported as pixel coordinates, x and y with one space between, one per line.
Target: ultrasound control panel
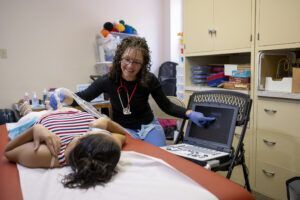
194 152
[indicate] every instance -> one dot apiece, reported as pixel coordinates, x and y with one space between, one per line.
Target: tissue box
241 73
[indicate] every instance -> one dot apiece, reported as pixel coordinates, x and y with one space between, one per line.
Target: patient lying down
91 147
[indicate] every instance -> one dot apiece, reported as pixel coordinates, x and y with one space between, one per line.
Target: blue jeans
152 133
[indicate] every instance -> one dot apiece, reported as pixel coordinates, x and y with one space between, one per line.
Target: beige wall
50 43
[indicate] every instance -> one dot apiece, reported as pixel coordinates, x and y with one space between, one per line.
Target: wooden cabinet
277 142
278 22
219 32
277 138
198 20
270 180
217 25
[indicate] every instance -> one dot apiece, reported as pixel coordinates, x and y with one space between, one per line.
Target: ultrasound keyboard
194 152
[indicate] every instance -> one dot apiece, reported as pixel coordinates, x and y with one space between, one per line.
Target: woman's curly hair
136 43
93 161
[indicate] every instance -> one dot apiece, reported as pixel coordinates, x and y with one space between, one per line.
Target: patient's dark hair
93 161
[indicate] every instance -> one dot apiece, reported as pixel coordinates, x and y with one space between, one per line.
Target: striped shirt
67 125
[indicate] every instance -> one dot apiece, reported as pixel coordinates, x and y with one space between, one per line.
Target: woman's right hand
53 99
42 135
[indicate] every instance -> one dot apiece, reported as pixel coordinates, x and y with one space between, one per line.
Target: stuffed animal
104 32
107 28
128 29
120 27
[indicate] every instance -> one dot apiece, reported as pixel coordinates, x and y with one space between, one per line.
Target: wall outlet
3 53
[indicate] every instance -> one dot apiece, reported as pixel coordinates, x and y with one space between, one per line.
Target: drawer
277 116
270 180
278 149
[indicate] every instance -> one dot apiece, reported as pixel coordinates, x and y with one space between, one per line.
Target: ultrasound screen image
219 130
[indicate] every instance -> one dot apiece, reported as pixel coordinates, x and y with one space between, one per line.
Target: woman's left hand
199 119
43 135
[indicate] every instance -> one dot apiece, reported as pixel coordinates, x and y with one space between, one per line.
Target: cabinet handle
270 143
271 111
268 173
210 31
237 135
214 31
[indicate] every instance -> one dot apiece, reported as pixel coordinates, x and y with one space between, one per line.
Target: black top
141 112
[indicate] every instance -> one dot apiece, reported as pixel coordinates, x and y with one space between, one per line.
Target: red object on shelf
215 76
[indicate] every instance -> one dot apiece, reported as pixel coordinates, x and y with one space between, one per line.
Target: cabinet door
278 22
198 20
232 22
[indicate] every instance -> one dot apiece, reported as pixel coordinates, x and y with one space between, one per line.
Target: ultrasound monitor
219 134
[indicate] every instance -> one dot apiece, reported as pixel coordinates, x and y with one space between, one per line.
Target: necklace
126 110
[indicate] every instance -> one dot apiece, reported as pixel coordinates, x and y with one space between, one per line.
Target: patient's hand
42 135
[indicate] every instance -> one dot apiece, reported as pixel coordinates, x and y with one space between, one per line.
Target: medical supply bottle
45 96
35 100
26 97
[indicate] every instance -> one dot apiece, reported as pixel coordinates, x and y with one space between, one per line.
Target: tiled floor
259 196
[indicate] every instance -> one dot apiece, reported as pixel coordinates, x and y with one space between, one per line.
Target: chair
160 115
244 103
167 78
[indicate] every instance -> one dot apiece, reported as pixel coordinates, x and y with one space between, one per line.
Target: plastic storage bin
107 46
200 74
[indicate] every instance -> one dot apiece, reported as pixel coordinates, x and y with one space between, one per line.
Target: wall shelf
282 95
205 88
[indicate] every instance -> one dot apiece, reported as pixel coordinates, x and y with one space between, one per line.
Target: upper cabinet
278 23
217 25
198 25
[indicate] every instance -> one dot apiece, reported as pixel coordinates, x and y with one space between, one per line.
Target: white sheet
139 177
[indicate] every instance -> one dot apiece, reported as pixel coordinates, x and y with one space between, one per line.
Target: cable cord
82 103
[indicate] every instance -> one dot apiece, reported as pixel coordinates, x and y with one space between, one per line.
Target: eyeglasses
127 61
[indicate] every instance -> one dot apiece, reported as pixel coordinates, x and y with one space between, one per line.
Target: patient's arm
23 150
28 157
113 127
109 125
119 138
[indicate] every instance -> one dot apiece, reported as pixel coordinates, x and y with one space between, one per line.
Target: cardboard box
239 80
236 86
241 73
296 80
228 68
